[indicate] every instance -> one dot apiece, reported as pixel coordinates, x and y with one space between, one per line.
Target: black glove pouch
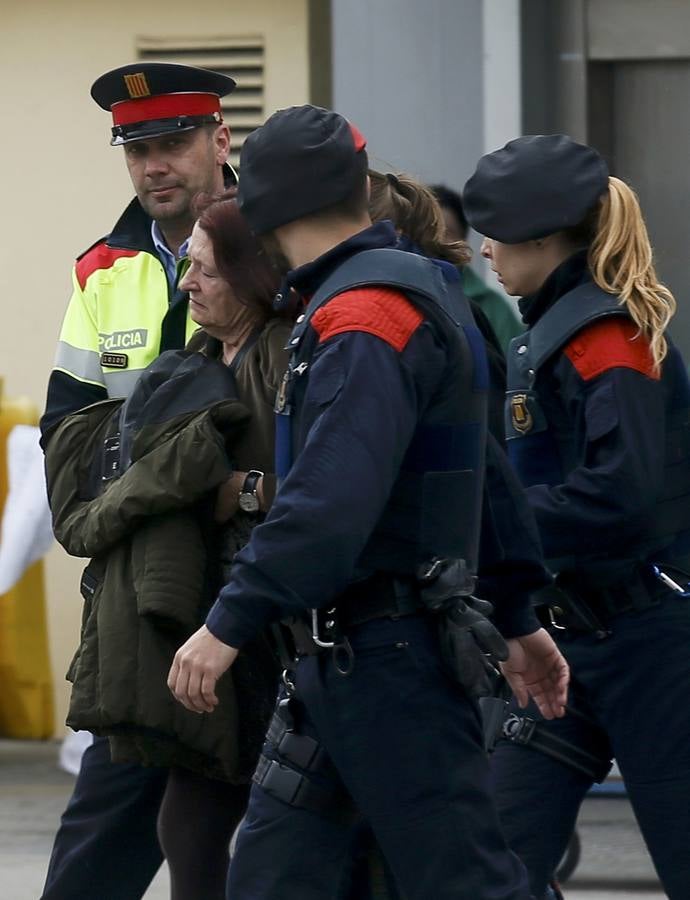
471 647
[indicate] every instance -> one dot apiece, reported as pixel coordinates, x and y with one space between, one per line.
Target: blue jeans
635 687
406 745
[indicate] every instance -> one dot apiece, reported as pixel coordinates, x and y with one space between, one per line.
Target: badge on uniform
521 417
114 360
137 85
524 416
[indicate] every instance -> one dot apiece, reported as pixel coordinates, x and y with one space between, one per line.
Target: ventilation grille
242 58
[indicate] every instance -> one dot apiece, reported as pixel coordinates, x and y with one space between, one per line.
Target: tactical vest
532 446
435 506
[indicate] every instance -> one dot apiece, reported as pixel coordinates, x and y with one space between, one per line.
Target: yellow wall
63 186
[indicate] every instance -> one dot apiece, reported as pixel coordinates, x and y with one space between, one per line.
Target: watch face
249 503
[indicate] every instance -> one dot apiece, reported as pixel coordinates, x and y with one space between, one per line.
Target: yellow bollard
26 690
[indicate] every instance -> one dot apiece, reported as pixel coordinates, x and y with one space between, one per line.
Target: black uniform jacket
608 412
365 395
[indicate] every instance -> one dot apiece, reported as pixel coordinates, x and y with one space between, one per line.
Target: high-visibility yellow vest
113 326
26 689
122 314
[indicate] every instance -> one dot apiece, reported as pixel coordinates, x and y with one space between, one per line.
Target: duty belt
567 605
377 597
380 596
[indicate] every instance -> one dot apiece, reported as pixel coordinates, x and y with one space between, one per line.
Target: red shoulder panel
609 344
99 256
383 312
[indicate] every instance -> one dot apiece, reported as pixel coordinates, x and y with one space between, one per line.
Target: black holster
296 769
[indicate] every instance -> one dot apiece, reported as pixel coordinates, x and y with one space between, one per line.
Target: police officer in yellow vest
125 309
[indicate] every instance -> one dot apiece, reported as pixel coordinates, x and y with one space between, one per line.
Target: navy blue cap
303 159
149 99
534 186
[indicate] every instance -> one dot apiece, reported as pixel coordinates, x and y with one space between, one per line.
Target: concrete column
409 74
501 69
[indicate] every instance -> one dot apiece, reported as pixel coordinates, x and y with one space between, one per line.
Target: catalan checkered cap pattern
534 186
302 160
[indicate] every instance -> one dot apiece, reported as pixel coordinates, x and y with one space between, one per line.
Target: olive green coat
152 578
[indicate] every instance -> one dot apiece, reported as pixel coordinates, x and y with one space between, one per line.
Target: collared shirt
167 257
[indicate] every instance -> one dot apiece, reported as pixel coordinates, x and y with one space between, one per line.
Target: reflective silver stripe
82 364
121 384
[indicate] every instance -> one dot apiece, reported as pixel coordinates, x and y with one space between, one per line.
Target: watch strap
251 481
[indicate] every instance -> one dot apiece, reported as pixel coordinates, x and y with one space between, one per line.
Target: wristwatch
249 499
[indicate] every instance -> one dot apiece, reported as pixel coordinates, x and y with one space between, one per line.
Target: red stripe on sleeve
383 312
610 344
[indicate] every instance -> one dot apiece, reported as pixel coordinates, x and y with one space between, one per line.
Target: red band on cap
357 137
164 106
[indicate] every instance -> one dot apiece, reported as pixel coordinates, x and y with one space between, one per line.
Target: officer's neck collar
572 272
307 278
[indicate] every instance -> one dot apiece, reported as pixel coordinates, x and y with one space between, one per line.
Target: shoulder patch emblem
611 343
99 257
384 312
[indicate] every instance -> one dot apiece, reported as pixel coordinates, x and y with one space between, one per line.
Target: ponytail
415 213
620 258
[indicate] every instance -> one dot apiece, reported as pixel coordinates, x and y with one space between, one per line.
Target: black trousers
406 745
107 846
634 686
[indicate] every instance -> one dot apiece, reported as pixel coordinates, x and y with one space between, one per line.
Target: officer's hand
536 668
197 666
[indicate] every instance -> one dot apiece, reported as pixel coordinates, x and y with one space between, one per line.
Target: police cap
534 186
303 159
148 99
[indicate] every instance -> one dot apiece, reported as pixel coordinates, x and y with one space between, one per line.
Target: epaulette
383 312
98 256
610 343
